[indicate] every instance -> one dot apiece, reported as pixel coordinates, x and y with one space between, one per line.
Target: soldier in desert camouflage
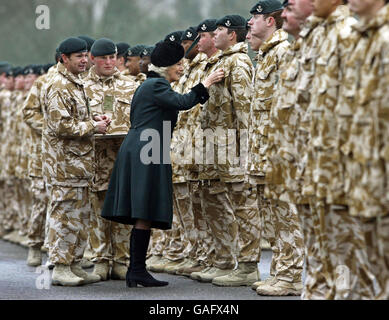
109 93
67 156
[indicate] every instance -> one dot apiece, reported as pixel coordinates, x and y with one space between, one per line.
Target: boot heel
133 284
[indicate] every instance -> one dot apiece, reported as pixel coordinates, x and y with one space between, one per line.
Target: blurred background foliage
132 21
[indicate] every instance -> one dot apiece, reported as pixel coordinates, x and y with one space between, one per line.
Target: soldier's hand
101 127
213 78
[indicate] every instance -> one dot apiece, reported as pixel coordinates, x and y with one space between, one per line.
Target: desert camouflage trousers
24 199
108 241
175 244
382 226
219 213
158 242
244 202
69 213
340 269
36 228
284 234
10 216
204 250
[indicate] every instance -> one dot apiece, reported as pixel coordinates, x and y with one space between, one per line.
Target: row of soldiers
313 181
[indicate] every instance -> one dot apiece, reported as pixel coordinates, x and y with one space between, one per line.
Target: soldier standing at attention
89 42
109 93
363 107
67 156
272 45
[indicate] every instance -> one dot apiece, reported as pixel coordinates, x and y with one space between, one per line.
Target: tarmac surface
21 282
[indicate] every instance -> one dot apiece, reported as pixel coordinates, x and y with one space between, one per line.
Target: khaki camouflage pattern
67 148
33 115
229 109
279 152
111 96
366 146
157 242
383 255
222 222
175 243
243 197
69 217
138 79
265 79
327 172
108 241
205 250
37 219
8 148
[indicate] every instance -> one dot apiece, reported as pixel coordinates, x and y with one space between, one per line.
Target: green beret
147 51
285 3
189 34
103 47
135 51
28 70
174 36
89 41
73 45
122 48
4 66
208 25
232 22
266 7
17 71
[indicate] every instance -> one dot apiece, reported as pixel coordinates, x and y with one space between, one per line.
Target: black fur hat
167 53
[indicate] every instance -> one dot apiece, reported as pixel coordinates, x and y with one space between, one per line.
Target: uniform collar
240 47
311 23
94 76
338 15
377 22
276 38
68 75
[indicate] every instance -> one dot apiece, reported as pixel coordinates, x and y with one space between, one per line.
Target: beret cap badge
189 34
172 38
259 9
204 27
228 23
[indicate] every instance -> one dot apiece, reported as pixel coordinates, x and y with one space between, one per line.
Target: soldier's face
19 83
291 24
105 65
76 63
2 79
254 42
223 38
206 43
29 81
302 8
144 64
259 25
133 65
365 7
175 72
9 83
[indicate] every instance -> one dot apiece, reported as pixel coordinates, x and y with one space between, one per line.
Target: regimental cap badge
189 34
228 23
204 27
172 38
145 52
259 9
129 52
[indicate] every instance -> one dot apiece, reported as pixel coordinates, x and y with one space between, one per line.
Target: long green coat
141 190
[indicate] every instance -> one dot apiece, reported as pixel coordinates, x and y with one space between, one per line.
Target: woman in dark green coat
140 191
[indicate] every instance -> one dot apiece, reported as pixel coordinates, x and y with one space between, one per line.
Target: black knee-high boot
137 273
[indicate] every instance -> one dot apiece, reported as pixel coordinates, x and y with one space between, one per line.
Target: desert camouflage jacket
265 81
68 143
111 96
225 116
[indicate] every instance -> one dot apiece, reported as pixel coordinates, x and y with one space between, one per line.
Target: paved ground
20 282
